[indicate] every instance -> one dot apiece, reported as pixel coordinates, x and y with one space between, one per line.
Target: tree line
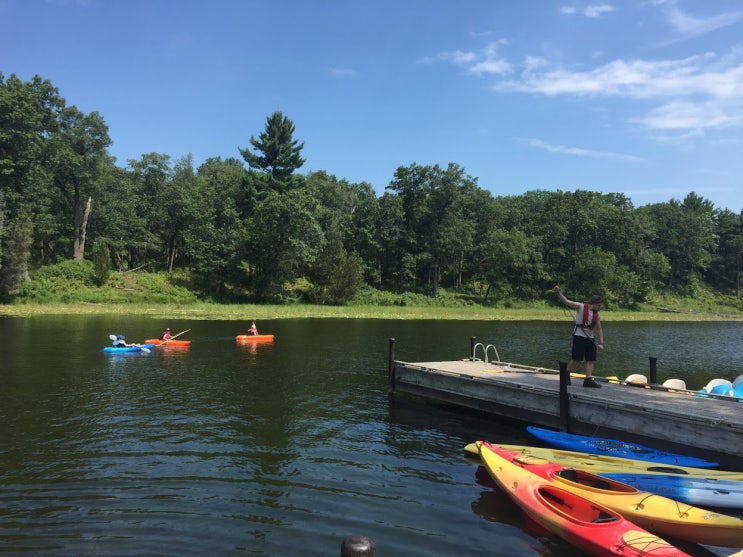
255 228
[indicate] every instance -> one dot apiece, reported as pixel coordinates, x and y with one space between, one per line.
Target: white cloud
597 10
491 66
696 92
459 57
581 152
691 26
635 78
592 10
343 72
685 115
484 61
693 93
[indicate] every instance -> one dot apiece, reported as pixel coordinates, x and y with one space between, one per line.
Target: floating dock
666 419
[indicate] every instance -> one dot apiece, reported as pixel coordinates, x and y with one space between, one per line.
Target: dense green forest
255 229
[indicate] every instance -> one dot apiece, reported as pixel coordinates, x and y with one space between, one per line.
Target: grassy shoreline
299 311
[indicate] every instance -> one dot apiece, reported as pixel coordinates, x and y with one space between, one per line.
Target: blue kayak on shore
695 490
125 349
614 447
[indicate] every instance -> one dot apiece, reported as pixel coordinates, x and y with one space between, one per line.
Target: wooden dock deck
672 420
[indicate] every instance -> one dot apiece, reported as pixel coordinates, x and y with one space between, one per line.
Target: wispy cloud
688 94
343 72
696 92
592 10
581 152
685 115
687 25
481 62
635 78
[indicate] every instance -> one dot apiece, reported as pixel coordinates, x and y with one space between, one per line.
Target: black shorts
583 348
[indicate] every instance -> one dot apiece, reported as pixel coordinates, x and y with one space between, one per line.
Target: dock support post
357 545
391 366
564 399
653 370
473 341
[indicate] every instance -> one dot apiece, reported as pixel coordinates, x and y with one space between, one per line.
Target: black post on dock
473 341
391 366
564 400
357 545
653 370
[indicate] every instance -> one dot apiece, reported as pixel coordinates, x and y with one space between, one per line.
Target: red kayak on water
656 513
595 529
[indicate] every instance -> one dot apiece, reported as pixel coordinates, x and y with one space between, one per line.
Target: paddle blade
112 337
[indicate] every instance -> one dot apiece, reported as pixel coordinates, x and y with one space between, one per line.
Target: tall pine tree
278 153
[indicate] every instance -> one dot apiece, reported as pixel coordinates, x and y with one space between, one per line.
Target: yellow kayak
595 529
654 513
601 464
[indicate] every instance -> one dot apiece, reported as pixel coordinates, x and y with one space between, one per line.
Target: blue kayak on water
125 349
614 447
695 490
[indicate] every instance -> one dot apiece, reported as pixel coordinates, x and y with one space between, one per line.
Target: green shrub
73 272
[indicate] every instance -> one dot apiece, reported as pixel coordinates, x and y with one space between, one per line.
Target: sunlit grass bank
208 311
68 288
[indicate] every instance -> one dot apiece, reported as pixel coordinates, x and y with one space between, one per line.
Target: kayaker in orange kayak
253 330
166 335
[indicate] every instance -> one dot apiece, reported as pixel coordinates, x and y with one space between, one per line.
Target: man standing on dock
584 345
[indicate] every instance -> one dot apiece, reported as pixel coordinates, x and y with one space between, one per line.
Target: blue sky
640 97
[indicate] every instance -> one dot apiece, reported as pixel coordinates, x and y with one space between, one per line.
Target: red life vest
586 323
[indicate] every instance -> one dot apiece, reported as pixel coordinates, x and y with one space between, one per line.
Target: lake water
279 449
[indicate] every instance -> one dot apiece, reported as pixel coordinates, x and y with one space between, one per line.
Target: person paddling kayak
120 342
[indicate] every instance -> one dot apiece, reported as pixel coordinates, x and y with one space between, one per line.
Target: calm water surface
277 449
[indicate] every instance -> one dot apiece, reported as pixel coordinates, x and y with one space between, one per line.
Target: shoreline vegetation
244 312
69 289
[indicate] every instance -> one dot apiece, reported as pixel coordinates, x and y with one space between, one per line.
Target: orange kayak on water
254 338
158 342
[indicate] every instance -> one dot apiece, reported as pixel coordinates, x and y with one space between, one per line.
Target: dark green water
276 449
